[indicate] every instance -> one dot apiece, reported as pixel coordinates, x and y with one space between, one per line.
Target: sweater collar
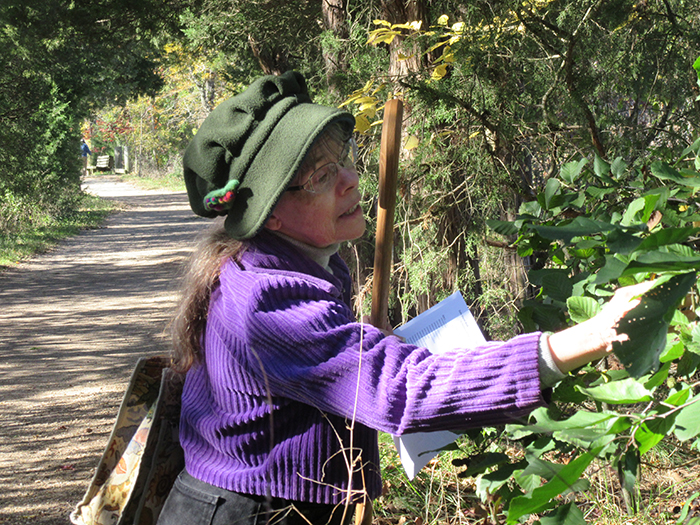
273 252
321 256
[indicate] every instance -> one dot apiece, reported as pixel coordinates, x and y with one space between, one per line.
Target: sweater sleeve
304 345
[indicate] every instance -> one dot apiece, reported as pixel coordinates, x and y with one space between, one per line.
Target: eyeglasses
323 179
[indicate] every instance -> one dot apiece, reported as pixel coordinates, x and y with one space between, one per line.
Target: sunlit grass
26 241
438 495
172 181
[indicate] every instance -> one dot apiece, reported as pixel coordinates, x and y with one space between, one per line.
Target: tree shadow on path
73 323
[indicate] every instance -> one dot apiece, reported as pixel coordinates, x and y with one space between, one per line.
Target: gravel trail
73 322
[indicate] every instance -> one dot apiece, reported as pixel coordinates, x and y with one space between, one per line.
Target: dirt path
73 322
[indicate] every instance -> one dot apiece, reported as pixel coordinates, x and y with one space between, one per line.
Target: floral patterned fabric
143 455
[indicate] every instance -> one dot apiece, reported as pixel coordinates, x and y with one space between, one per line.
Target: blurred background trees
499 96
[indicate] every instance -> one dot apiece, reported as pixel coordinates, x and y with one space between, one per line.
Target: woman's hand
594 338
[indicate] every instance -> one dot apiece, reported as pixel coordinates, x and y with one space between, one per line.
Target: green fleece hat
250 147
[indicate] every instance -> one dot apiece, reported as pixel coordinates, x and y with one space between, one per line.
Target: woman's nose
348 179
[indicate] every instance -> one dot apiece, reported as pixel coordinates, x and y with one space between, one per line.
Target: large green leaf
503 227
688 420
623 242
663 171
558 286
615 266
568 514
582 308
578 227
479 463
541 498
545 424
572 170
652 432
662 261
667 236
550 191
626 391
647 324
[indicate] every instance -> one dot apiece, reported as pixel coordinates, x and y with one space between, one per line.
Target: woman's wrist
581 344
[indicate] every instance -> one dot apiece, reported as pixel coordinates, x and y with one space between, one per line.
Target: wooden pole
388 175
383 254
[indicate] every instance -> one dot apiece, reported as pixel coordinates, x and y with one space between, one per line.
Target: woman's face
321 219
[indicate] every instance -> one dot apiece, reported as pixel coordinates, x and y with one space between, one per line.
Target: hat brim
276 163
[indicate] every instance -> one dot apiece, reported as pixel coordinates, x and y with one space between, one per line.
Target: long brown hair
200 279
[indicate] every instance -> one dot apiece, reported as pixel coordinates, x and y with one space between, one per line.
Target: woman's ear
273 223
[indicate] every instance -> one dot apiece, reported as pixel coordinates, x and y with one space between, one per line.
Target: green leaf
654 431
667 236
688 420
618 167
578 227
557 285
479 463
627 469
541 498
615 266
632 210
550 190
506 228
624 392
622 242
568 514
600 166
660 262
582 308
693 148
572 170
646 325
672 352
663 171
659 377
545 424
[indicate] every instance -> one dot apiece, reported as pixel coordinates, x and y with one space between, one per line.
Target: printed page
447 325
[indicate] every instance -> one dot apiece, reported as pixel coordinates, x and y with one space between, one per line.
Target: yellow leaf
416 25
362 124
439 72
380 86
474 134
370 111
455 39
433 48
365 100
442 21
458 27
411 143
403 57
350 100
381 23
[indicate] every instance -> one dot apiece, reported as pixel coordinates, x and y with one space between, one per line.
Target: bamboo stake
383 253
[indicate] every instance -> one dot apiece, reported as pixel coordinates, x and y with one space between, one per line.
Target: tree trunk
272 61
401 12
335 20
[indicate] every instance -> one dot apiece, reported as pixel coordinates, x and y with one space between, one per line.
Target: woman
285 391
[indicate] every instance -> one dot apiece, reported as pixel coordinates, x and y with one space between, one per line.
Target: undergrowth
32 235
440 495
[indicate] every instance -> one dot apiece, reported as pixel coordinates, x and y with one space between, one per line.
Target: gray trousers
194 502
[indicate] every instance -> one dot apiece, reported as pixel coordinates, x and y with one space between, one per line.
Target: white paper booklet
447 325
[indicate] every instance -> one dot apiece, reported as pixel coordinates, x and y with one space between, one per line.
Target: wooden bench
103 163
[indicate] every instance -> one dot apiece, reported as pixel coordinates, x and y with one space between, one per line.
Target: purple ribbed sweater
287 370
